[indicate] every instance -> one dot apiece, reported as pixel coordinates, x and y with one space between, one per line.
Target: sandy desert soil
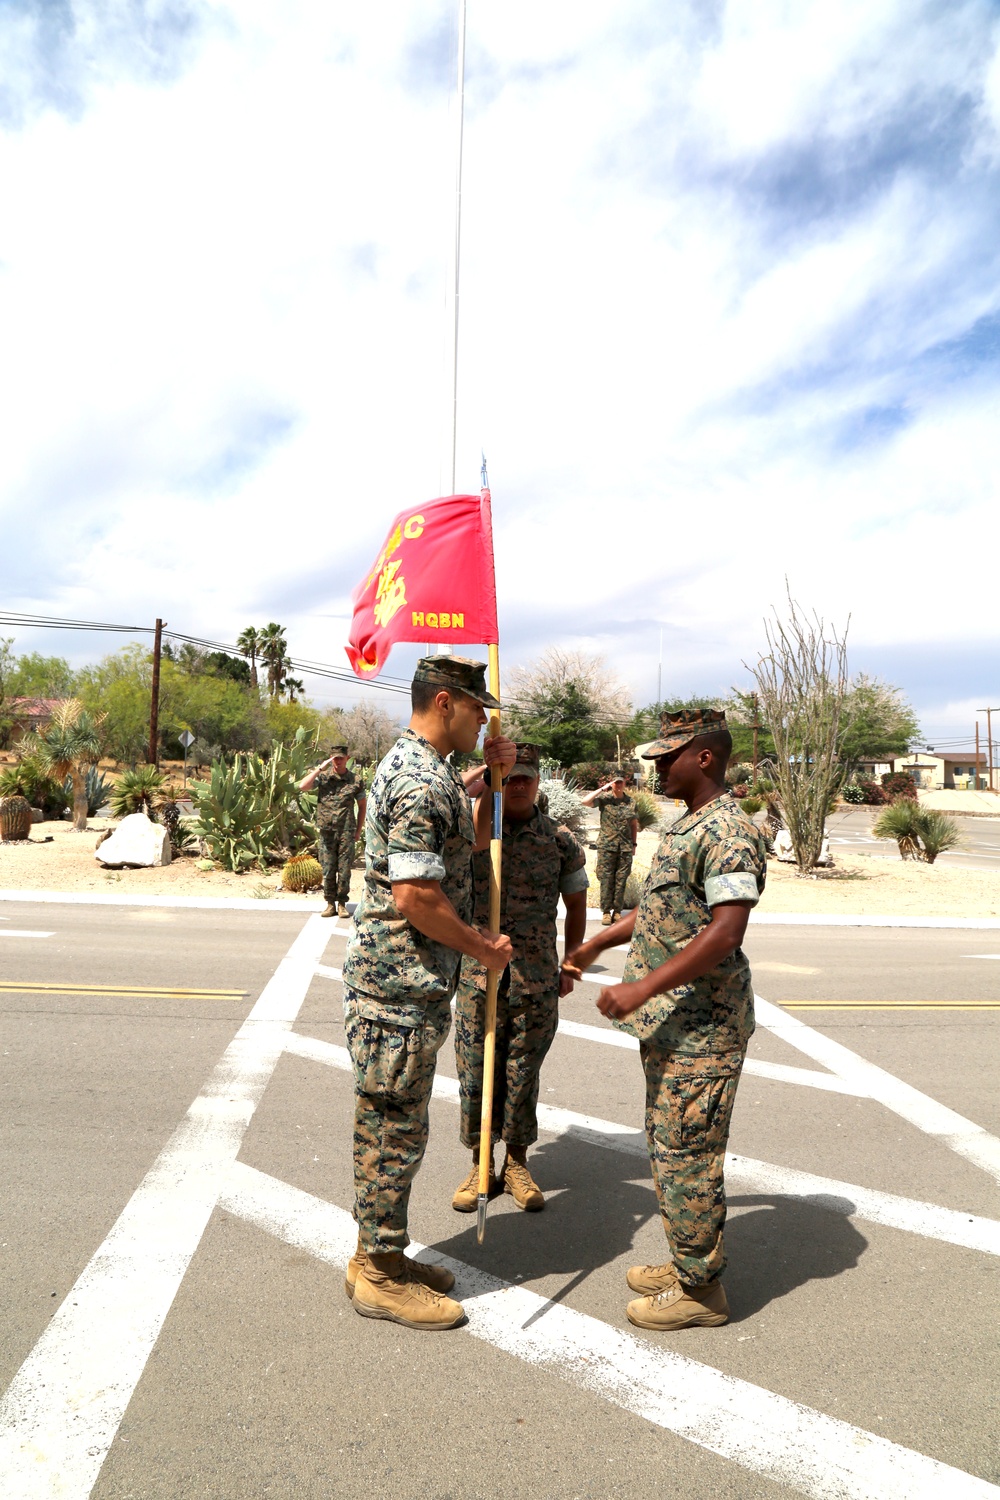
859 884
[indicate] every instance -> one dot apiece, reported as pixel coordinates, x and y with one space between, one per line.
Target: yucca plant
137 790
900 821
67 745
647 809
938 833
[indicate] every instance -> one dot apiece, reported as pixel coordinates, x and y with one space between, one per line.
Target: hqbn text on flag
433 621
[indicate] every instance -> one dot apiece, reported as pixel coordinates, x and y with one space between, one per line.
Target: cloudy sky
730 313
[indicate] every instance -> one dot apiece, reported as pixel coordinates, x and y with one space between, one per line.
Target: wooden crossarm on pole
492 976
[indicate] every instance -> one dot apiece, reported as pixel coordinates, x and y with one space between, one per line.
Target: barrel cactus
15 819
302 873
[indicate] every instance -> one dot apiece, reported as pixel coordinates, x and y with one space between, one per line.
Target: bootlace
520 1173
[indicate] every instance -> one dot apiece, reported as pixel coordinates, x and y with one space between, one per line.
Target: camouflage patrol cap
458 674
676 730
528 759
338 750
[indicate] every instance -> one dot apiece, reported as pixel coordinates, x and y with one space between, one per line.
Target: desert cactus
302 873
15 819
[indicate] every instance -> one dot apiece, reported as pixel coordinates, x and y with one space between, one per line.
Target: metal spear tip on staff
492 977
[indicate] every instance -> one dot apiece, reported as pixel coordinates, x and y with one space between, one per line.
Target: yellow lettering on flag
390 595
417 618
414 528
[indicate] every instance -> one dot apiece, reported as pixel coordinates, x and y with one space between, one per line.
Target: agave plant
99 790
647 809
234 819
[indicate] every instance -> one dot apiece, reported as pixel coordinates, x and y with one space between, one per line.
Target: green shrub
853 794
590 774
30 780
633 886
751 805
562 804
899 784
739 775
136 791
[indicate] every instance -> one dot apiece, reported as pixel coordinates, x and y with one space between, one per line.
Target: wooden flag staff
492 977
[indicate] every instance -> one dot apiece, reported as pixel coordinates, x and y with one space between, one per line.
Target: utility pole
989 741
154 703
977 755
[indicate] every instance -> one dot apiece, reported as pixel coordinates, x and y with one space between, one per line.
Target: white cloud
728 277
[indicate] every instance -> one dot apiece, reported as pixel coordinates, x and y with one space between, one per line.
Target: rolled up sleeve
417 830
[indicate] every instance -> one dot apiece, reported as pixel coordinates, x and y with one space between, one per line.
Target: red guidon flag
432 581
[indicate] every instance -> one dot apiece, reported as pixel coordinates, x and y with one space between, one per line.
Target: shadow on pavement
600 1199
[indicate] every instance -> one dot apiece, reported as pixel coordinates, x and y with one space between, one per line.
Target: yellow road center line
10 987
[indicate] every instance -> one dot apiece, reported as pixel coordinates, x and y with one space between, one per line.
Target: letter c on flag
414 528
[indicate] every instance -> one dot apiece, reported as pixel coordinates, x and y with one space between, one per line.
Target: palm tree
273 650
249 641
291 686
68 744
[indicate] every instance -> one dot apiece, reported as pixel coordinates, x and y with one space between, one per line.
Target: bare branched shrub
802 683
527 688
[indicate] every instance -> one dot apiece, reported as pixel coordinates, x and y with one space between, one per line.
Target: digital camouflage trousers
336 855
689 1106
524 1035
614 864
393 1062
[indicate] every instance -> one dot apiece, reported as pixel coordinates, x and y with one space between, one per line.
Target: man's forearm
426 907
576 922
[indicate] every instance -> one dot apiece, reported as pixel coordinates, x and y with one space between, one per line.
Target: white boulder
783 849
136 841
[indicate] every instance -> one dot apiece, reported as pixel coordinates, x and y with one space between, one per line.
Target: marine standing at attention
340 816
615 843
410 930
541 862
687 995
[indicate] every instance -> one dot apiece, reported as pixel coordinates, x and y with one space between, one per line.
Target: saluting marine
687 995
540 862
340 816
410 930
615 843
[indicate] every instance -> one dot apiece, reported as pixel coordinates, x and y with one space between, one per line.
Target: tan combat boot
342 909
328 910
681 1306
616 916
519 1183
386 1289
467 1196
651 1280
607 919
436 1277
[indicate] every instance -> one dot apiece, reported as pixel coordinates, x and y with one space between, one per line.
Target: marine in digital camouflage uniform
615 843
708 872
340 812
540 862
398 980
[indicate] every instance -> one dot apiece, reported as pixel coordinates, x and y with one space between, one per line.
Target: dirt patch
67 863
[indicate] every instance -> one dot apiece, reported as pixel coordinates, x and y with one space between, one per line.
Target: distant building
24 715
934 772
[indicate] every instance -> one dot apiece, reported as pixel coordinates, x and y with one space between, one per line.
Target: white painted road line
776 1072
953 1130
63 1408
22 932
981 955
767 1434
743 1173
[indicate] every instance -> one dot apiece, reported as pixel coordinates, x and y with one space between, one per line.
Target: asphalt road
850 833
865 1293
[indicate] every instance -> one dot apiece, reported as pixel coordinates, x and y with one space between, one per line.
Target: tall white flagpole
458 237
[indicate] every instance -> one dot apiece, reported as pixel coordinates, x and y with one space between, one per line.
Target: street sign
186 739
